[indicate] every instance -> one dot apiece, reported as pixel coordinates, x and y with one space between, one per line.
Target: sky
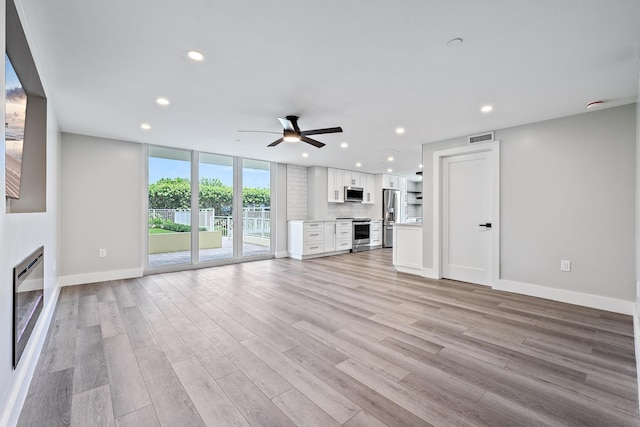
11 79
168 168
16 105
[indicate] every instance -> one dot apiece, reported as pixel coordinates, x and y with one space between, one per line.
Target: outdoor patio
225 252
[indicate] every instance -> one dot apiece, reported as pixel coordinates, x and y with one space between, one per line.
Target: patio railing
255 221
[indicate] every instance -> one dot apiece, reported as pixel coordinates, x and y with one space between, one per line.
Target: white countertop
408 224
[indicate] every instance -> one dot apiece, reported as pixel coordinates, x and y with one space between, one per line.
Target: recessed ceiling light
162 101
486 108
420 166
358 164
594 104
399 131
145 126
390 159
389 170
305 154
344 145
195 55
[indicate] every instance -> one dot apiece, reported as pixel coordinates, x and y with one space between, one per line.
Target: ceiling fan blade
259 131
286 123
294 123
274 143
312 141
319 131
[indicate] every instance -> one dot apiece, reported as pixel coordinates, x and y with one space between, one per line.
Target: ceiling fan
292 132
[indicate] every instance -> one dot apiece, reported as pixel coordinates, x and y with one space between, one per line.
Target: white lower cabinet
329 236
309 239
344 235
375 234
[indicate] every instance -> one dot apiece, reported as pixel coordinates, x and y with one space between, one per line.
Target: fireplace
28 296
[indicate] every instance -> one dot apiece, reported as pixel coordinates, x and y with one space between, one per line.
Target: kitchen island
407 248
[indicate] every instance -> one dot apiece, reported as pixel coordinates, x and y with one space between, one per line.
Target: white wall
636 319
101 207
281 211
567 192
638 202
20 234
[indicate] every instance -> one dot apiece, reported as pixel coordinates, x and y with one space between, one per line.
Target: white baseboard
561 295
282 254
102 276
429 273
578 298
16 397
409 270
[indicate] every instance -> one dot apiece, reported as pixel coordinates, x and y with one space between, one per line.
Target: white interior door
466 218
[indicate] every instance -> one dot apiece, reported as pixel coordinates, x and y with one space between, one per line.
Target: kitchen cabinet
344 235
375 234
309 239
335 185
369 189
337 236
391 182
329 236
407 248
337 179
305 238
353 179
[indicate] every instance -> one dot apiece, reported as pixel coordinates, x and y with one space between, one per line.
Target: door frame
493 148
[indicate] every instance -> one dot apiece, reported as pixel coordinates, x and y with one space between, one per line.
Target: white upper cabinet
391 181
353 179
335 185
337 179
369 189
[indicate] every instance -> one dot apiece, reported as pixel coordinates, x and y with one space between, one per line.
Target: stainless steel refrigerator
390 214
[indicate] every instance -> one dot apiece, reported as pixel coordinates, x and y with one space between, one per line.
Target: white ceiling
366 65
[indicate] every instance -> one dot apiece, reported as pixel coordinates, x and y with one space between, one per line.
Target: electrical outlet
102 253
565 265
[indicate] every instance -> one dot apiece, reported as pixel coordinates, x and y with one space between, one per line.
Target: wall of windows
226 199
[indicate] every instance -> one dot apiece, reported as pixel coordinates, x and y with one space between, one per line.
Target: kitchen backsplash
355 210
296 192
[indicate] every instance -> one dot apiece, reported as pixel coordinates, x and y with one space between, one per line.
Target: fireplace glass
28 288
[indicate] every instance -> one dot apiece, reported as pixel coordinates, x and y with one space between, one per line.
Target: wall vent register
482 137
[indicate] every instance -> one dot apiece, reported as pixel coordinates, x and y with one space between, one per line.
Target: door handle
488 225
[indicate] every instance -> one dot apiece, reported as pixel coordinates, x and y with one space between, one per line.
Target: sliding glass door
256 207
227 198
216 207
169 211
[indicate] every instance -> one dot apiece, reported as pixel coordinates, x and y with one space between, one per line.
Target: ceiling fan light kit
290 136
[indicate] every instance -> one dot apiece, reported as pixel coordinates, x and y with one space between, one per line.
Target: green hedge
175 193
167 224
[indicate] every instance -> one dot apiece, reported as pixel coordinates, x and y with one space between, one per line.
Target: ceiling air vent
481 137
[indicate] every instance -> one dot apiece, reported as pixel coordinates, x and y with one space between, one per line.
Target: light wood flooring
341 340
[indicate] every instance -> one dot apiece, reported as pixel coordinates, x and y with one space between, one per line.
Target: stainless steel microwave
353 194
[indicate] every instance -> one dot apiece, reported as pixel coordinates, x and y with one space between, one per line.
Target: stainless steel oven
361 234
